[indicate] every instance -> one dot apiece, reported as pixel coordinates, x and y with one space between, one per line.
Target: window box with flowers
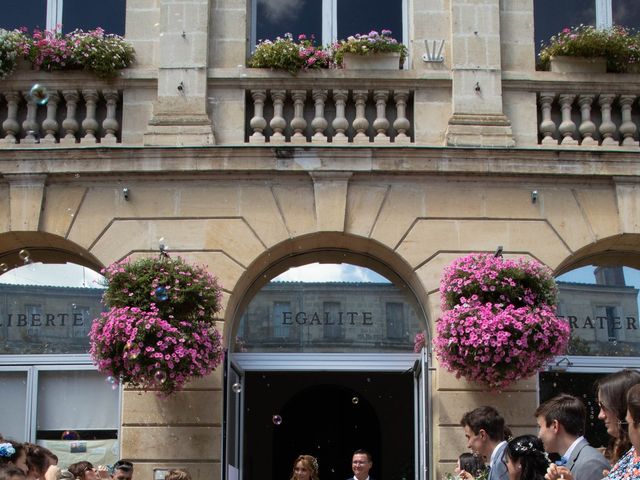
586 49
498 323
94 51
159 331
371 51
285 53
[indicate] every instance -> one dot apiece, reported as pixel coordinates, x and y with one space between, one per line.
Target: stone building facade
248 172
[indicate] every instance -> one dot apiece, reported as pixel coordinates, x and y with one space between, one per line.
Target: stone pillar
478 118
180 114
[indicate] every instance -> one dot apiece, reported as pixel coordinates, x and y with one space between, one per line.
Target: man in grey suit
561 425
484 430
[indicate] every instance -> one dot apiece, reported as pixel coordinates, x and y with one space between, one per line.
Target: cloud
280 10
330 272
54 275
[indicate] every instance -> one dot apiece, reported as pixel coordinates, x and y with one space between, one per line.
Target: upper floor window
549 19
327 20
71 14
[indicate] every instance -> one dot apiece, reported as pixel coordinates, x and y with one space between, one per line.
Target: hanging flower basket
498 324
159 331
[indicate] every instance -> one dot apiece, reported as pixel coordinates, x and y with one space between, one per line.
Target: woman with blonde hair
305 468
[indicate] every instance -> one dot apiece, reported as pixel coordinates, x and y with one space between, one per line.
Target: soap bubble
4 267
160 376
276 419
355 400
111 380
39 94
236 387
70 435
161 294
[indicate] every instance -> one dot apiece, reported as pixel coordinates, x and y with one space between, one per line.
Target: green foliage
616 44
10 51
369 44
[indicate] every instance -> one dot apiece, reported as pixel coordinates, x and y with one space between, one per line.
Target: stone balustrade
337 116
70 116
572 117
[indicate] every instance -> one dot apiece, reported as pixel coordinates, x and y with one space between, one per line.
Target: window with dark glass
332 330
71 14
395 320
281 329
326 20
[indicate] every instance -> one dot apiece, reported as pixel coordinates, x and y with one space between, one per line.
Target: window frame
329 23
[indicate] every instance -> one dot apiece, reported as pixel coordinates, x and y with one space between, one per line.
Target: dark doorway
328 415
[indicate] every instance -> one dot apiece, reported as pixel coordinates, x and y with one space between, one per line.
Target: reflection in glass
572 14
362 16
48 308
626 13
329 308
110 16
274 18
24 13
601 305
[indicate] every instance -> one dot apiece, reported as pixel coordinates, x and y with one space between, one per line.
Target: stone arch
325 247
623 249
43 247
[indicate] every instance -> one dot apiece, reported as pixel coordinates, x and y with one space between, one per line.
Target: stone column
478 118
180 114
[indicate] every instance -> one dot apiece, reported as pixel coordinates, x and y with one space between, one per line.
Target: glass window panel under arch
601 305
330 308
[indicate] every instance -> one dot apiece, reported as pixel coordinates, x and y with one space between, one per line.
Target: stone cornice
224 160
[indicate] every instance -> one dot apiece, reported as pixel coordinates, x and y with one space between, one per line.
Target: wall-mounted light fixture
534 196
126 194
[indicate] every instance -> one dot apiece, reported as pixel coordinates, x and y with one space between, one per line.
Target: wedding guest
37 461
561 422
484 429
13 453
361 463
305 467
526 459
177 474
470 466
83 471
122 470
628 466
612 400
11 472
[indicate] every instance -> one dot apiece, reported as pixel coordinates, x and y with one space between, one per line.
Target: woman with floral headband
305 468
526 459
13 453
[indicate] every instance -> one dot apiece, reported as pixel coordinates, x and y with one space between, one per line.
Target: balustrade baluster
627 127
360 123
70 124
110 124
587 127
11 125
547 126
298 124
258 122
381 124
568 127
90 124
50 124
401 124
607 127
340 123
278 123
30 125
319 123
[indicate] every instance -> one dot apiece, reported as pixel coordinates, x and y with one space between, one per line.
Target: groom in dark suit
484 430
560 427
361 463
